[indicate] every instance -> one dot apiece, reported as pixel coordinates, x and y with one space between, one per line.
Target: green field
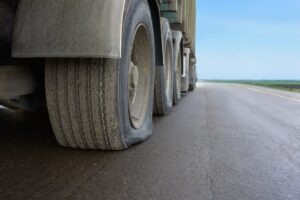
293 86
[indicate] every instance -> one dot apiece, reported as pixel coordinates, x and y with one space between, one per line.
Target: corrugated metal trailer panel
182 16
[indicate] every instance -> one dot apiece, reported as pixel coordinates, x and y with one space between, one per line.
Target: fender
75 28
177 40
68 28
177 44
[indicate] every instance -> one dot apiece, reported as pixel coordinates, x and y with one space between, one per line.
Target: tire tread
78 104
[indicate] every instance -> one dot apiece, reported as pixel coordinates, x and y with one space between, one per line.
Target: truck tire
163 95
106 104
192 85
193 80
185 81
177 74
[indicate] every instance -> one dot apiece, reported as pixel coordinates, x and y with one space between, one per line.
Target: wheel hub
133 82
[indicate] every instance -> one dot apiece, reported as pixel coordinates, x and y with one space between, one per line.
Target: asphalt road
223 142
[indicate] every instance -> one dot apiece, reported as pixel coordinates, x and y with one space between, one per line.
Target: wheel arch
156 20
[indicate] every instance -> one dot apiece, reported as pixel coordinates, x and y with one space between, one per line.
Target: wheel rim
139 78
178 75
168 73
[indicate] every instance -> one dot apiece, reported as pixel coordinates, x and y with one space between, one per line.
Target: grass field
293 86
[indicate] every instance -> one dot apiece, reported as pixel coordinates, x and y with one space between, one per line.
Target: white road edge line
272 94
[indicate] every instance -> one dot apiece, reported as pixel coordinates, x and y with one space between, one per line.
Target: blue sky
248 39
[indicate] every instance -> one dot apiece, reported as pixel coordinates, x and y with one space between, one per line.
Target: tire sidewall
167 39
161 97
137 13
177 54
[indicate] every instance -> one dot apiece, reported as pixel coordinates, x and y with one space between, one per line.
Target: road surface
223 142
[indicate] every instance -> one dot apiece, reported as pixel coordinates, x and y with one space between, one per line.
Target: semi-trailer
101 67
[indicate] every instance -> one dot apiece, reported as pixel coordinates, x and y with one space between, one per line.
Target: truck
102 68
